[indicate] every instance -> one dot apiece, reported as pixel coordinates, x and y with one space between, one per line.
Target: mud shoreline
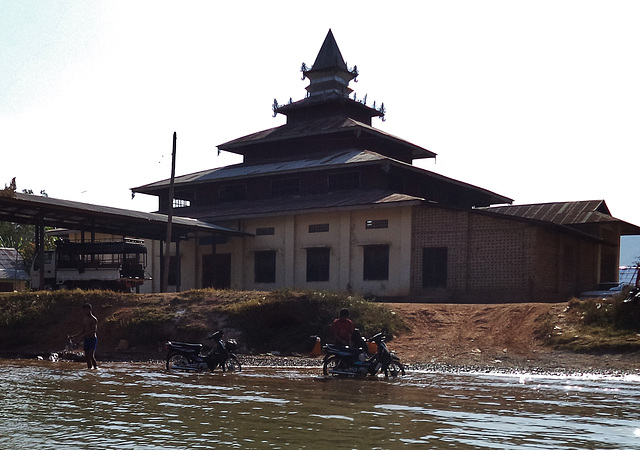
554 363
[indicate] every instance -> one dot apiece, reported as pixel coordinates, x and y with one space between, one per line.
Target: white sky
535 100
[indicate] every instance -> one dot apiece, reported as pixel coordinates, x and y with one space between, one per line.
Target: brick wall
495 259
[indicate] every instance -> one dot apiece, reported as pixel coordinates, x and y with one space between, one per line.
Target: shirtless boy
90 336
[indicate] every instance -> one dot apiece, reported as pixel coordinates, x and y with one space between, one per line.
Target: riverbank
441 337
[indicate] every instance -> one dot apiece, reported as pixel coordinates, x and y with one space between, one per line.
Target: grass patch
145 323
594 326
287 319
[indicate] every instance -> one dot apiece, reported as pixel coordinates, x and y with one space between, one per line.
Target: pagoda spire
329 75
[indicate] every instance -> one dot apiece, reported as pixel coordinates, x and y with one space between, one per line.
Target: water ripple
141 406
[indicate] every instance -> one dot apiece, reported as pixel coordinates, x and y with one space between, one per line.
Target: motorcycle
340 360
187 356
633 296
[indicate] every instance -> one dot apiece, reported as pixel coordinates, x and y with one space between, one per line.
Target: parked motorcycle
186 356
340 360
633 296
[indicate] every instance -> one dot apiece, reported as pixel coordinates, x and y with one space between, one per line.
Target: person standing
89 333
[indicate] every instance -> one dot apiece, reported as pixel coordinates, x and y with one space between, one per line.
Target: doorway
216 271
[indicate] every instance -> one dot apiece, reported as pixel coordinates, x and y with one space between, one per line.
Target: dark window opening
265 266
265 231
318 264
373 224
319 228
216 271
341 181
289 186
174 273
232 192
376 262
434 267
396 183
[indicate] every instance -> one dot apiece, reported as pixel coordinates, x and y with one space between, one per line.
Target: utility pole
167 254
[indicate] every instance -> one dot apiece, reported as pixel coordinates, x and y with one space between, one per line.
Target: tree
21 236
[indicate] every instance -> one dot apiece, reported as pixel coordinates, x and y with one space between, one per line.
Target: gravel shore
553 363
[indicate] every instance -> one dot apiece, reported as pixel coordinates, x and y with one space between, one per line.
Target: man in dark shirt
342 328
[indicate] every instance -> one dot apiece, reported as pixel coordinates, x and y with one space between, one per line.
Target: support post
167 253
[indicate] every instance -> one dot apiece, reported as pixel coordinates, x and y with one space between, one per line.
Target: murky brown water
45 405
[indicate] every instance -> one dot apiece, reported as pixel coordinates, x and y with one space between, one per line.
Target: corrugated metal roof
319 127
24 208
566 213
562 213
286 205
311 162
12 265
326 160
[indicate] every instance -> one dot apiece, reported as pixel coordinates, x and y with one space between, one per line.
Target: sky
538 101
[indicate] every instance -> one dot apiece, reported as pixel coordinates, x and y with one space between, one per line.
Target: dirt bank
501 336
439 335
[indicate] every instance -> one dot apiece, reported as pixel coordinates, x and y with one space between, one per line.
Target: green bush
286 320
612 313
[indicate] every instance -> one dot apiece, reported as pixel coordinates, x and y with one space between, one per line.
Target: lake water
46 405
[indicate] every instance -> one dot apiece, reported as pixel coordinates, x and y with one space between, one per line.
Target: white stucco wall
346 237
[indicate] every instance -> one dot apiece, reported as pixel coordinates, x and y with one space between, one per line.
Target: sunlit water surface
141 406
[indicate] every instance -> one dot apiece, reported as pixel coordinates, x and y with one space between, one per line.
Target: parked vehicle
355 360
603 290
183 356
115 265
633 296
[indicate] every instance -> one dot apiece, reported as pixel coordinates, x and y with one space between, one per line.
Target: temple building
330 202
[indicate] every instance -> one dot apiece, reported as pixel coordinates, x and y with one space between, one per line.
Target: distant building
13 274
334 203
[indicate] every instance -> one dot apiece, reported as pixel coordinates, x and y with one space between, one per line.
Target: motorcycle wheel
331 363
177 361
233 364
395 369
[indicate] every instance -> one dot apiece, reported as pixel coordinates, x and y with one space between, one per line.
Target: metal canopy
51 212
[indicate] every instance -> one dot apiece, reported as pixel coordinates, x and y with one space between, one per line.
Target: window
288 186
318 263
265 231
340 181
374 224
233 192
319 228
265 266
376 262
434 267
181 203
174 271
